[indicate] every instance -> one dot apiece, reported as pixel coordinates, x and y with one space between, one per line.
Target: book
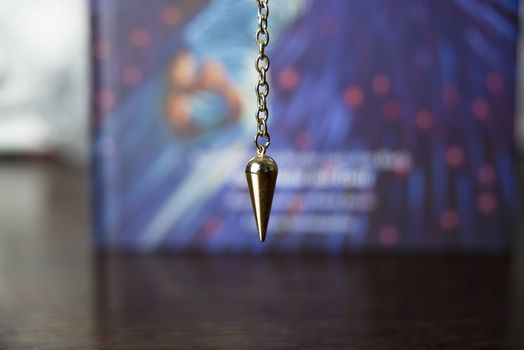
392 123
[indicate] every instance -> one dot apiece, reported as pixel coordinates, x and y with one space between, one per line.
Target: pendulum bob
261 174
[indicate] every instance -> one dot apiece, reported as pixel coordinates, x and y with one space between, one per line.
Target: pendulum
261 170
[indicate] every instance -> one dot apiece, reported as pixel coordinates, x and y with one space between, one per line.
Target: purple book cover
392 123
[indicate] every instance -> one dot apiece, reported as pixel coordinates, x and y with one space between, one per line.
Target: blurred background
45 79
107 121
181 74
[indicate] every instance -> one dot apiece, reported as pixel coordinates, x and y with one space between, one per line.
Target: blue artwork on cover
392 123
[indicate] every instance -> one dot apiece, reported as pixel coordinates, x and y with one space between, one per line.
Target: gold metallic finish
261 174
262 139
262 171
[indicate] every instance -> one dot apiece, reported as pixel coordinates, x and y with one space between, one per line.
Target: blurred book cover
392 123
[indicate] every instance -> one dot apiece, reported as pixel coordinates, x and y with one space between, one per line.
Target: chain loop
261 114
262 139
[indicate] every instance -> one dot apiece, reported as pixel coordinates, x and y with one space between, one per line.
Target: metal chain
262 86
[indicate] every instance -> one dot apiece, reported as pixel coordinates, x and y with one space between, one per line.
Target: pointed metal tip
261 174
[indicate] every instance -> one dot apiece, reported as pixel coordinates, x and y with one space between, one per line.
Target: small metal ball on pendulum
261 170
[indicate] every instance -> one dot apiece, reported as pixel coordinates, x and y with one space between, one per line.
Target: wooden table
56 294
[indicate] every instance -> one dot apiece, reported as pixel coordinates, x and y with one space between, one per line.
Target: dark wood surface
56 294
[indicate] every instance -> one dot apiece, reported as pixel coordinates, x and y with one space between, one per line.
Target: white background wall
43 77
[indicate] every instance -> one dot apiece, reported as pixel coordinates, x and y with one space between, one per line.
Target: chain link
262 86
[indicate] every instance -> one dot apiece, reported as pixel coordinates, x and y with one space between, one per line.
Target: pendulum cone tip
261 175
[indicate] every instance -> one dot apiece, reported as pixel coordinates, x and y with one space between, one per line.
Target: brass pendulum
261 174
261 170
